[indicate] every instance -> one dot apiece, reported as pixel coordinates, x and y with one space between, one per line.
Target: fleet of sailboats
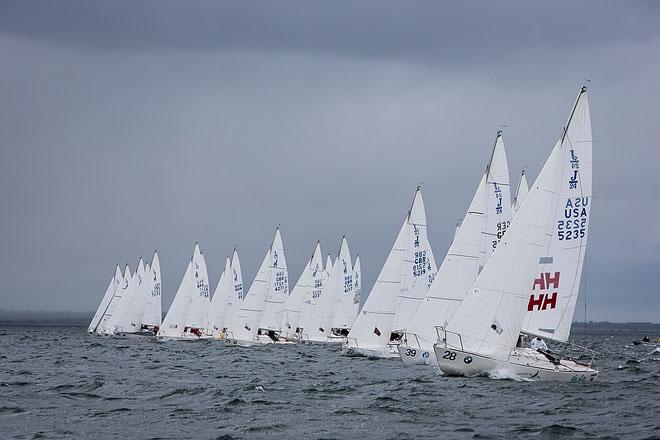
511 273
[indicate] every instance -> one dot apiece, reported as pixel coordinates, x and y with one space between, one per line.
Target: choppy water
59 382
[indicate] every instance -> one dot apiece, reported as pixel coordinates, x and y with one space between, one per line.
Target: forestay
536 268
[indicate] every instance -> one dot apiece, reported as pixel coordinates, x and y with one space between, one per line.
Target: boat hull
522 363
416 355
370 352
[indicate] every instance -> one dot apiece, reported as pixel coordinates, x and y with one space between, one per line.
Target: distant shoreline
81 319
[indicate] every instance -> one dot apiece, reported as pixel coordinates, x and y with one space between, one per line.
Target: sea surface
60 382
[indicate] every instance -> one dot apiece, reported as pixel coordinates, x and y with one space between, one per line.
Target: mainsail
472 245
532 280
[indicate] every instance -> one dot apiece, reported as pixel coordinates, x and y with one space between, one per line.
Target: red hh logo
544 300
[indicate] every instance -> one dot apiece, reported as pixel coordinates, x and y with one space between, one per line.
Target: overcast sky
129 126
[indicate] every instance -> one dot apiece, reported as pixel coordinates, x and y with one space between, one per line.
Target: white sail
319 324
106 326
420 264
310 303
484 224
244 323
175 321
328 263
534 274
357 283
373 326
236 297
219 301
345 308
302 292
200 297
153 306
278 287
521 192
105 301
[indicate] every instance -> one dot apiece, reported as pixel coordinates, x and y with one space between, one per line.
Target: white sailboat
258 318
521 192
301 294
128 315
309 306
329 319
371 334
152 316
106 326
531 282
345 307
227 296
105 301
421 262
483 225
187 317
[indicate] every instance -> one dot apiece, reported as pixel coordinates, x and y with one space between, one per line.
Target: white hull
184 338
389 351
416 355
523 363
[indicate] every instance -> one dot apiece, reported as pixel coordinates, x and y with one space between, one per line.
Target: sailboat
310 280
333 314
152 316
105 301
309 306
258 319
106 326
227 296
187 317
531 282
372 333
128 315
521 192
484 223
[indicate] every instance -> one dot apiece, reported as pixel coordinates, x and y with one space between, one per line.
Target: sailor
538 344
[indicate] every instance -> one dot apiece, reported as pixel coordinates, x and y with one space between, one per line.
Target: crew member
538 344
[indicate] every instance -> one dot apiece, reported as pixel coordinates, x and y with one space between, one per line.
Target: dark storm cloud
129 126
437 32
